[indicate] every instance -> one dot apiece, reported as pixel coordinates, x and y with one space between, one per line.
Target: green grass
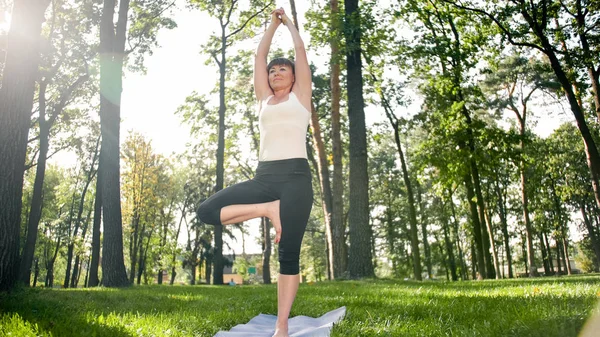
527 307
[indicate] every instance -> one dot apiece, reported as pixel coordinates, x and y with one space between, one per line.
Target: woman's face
281 77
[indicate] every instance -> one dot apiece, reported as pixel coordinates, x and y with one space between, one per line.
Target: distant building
230 273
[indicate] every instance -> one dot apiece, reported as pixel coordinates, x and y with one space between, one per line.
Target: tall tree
396 124
518 79
449 100
147 18
225 12
338 256
319 20
112 53
93 279
16 102
90 173
64 69
360 262
324 174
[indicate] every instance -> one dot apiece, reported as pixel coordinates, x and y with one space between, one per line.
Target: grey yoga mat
299 326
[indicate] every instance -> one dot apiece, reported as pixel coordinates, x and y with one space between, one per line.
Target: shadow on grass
55 314
124 312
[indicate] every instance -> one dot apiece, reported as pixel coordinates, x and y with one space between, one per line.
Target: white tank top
283 128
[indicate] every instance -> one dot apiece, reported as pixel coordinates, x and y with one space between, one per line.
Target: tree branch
146 28
504 29
65 97
248 20
246 169
229 14
214 56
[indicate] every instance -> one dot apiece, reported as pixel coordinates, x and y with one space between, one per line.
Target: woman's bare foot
281 330
275 219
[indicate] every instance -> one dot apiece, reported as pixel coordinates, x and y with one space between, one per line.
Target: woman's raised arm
303 86
261 79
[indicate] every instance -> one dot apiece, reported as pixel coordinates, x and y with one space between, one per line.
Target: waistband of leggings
283 165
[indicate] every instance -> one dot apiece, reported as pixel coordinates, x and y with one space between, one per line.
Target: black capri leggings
288 180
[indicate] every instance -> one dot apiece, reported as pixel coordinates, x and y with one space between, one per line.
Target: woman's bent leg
236 203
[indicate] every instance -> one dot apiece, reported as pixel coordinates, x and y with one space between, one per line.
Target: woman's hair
281 61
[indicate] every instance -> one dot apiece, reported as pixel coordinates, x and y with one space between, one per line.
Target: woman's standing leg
296 203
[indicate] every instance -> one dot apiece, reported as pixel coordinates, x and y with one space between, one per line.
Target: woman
281 189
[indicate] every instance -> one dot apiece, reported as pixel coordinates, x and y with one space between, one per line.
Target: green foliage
15 325
146 18
541 307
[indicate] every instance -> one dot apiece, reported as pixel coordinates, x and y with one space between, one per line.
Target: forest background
478 158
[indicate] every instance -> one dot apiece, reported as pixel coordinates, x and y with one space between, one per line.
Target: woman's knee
289 262
209 213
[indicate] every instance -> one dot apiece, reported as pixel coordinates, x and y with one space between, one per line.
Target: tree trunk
547 271
323 171
424 232
35 211
78 221
50 266
524 250
488 222
412 212
461 258
339 255
474 272
16 103
174 258
218 257
207 270
139 255
479 258
93 280
549 252
481 237
36 203
390 237
360 262
134 243
36 271
591 232
487 270
504 225
87 273
588 58
324 180
112 45
528 227
75 276
565 245
449 251
141 263
558 257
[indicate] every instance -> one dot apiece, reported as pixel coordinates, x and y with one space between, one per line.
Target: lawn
526 307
